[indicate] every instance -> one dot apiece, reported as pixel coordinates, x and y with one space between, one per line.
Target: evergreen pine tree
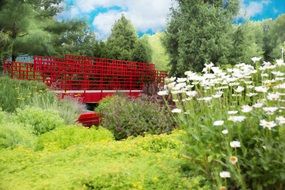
122 41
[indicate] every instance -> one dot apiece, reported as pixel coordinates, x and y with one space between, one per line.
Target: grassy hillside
159 56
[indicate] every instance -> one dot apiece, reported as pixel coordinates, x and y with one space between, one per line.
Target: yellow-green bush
64 137
13 135
128 164
3 116
41 120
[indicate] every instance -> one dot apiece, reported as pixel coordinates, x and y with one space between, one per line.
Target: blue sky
150 16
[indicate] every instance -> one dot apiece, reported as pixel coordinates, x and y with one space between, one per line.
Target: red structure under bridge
88 79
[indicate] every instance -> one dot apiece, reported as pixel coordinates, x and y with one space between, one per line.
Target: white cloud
144 14
253 8
104 22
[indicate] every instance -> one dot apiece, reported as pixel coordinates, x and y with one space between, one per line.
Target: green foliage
142 52
68 109
3 116
74 37
199 32
122 40
159 55
15 93
41 120
104 103
129 164
125 117
13 135
277 37
21 28
64 137
36 31
247 42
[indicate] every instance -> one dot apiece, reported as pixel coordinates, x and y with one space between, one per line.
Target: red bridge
88 79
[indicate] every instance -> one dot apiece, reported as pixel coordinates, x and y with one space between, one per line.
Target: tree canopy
122 40
199 32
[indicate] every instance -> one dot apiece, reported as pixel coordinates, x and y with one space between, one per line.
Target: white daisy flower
180 80
176 110
237 118
267 124
225 174
246 109
163 93
255 59
280 120
235 144
218 123
232 112
273 96
225 131
258 105
270 110
261 89
239 89
191 93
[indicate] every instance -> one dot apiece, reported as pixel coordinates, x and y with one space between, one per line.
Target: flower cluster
240 103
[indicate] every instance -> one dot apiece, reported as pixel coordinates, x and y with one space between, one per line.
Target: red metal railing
87 77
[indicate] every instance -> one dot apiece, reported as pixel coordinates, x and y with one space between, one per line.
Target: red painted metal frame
89 119
87 78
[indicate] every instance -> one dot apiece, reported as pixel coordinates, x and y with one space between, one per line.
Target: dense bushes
3 116
125 117
13 135
39 119
15 93
136 163
18 94
68 109
64 137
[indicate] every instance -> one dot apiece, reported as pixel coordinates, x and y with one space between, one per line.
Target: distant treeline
200 32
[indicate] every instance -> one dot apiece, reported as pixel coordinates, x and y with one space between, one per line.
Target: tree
26 22
35 30
277 36
267 45
46 8
122 40
199 32
142 51
15 21
247 42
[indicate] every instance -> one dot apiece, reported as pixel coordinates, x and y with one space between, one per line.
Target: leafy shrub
104 103
125 117
64 137
3 116
12 135
15 93
160 143
69 109
235 125
41 120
